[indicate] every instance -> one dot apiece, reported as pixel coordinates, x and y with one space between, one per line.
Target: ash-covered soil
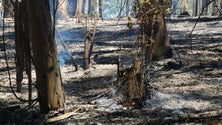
187 87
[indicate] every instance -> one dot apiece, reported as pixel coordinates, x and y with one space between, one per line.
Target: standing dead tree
86 50
19 44
89 40
152 44
153 29
8 8
22 45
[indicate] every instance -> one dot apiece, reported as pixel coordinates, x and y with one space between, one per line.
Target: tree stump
134 88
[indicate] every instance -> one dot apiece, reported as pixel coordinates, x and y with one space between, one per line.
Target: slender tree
62 8
215 8
79 8
19 44
204 3
101 8
71 7
8 8
90 7
95 6
195 7
84 3
154 44
220 5
127 7
184 6
153 27
48 82
87 51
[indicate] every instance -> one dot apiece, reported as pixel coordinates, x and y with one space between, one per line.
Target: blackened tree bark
86 51
71 6
215 8
154 44
95 6
134 87
127 7
48 82
195 7
84 6
19 44
100 8
220 5
8 8
153 27
204 3
62 9
90 7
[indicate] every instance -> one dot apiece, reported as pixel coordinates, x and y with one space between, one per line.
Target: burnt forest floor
187 87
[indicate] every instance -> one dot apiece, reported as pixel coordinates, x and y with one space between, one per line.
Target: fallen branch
204 116
100 95
64 116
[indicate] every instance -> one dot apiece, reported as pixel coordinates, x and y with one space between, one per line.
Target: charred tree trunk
127 7
79 9
184 6
22 45
62 9
90 8
19 45
8 8
134 88
204 4
95 5
48 82
220 5
154 44
71 7
86 51
100 8
154 29
215 8
195 7
26 38
84 7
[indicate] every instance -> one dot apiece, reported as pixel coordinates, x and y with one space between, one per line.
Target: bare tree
154 44
90 7
62 9
154 28
48 82
19 44
216 8
127 7
8 8
101 8
95 6
204 3
184 6
195 7
79 9
88 48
